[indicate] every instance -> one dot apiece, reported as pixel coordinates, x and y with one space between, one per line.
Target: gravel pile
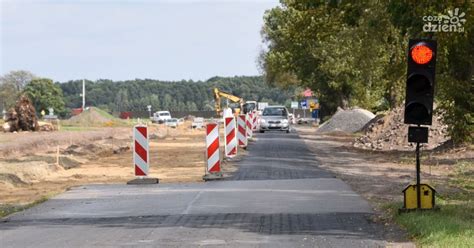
350 121
390 133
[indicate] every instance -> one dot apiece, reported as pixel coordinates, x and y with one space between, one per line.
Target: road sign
294 105
304 104
308 93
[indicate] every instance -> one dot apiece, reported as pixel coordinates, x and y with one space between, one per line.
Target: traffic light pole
418 187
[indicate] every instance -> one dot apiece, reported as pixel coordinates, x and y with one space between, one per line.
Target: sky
126 39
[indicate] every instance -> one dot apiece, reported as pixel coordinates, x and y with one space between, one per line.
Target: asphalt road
279 197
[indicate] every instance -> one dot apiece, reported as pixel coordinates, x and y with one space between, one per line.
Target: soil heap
350 121
388 132
93 117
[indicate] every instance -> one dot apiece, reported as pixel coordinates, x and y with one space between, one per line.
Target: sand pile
390 133
93 117
350 121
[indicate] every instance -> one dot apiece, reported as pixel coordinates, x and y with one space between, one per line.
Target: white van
161 116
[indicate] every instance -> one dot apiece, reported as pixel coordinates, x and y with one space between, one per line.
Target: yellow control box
427 197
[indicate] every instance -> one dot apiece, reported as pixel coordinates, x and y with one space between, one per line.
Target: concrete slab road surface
279 197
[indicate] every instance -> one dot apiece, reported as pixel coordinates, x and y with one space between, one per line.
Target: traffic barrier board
230 137
242 130
141 156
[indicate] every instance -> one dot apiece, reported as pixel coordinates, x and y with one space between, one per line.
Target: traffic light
420 81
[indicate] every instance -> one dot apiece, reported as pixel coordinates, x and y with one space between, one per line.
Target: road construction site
35 165
314 186
41 164
278 197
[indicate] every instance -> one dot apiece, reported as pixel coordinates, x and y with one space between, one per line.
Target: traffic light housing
420 81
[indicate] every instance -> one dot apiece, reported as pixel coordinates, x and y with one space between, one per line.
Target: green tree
354 54
8 95
11 85
455 60
45 94
121 100
18 78
162 95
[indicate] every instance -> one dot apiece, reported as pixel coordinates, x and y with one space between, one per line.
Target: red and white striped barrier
254 120
212 148
249 121
141 156
230 137
242 130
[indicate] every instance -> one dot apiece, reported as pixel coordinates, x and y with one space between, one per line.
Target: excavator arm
217 98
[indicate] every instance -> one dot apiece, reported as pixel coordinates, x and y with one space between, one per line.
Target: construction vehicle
237 101
238 105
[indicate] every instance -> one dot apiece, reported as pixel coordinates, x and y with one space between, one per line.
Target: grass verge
453 224
7 209
77 128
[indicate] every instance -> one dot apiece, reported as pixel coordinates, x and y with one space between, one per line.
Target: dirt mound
350 121
28 171
390 133
98 149
11 180
93 117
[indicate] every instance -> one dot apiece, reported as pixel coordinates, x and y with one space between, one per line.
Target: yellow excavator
236 107
238 104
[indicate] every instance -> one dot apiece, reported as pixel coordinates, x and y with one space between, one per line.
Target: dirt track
380 176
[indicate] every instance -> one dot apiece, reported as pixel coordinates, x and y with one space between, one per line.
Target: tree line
353 53
135 95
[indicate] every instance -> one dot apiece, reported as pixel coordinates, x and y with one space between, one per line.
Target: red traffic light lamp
421 53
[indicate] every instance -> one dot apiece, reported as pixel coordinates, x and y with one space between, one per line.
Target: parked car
173 122
198 123
161 117
274 118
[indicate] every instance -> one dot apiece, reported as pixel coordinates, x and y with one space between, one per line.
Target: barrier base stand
148 180
233 158
407 210
213 176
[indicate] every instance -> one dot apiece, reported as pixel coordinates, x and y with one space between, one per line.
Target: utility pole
83 94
